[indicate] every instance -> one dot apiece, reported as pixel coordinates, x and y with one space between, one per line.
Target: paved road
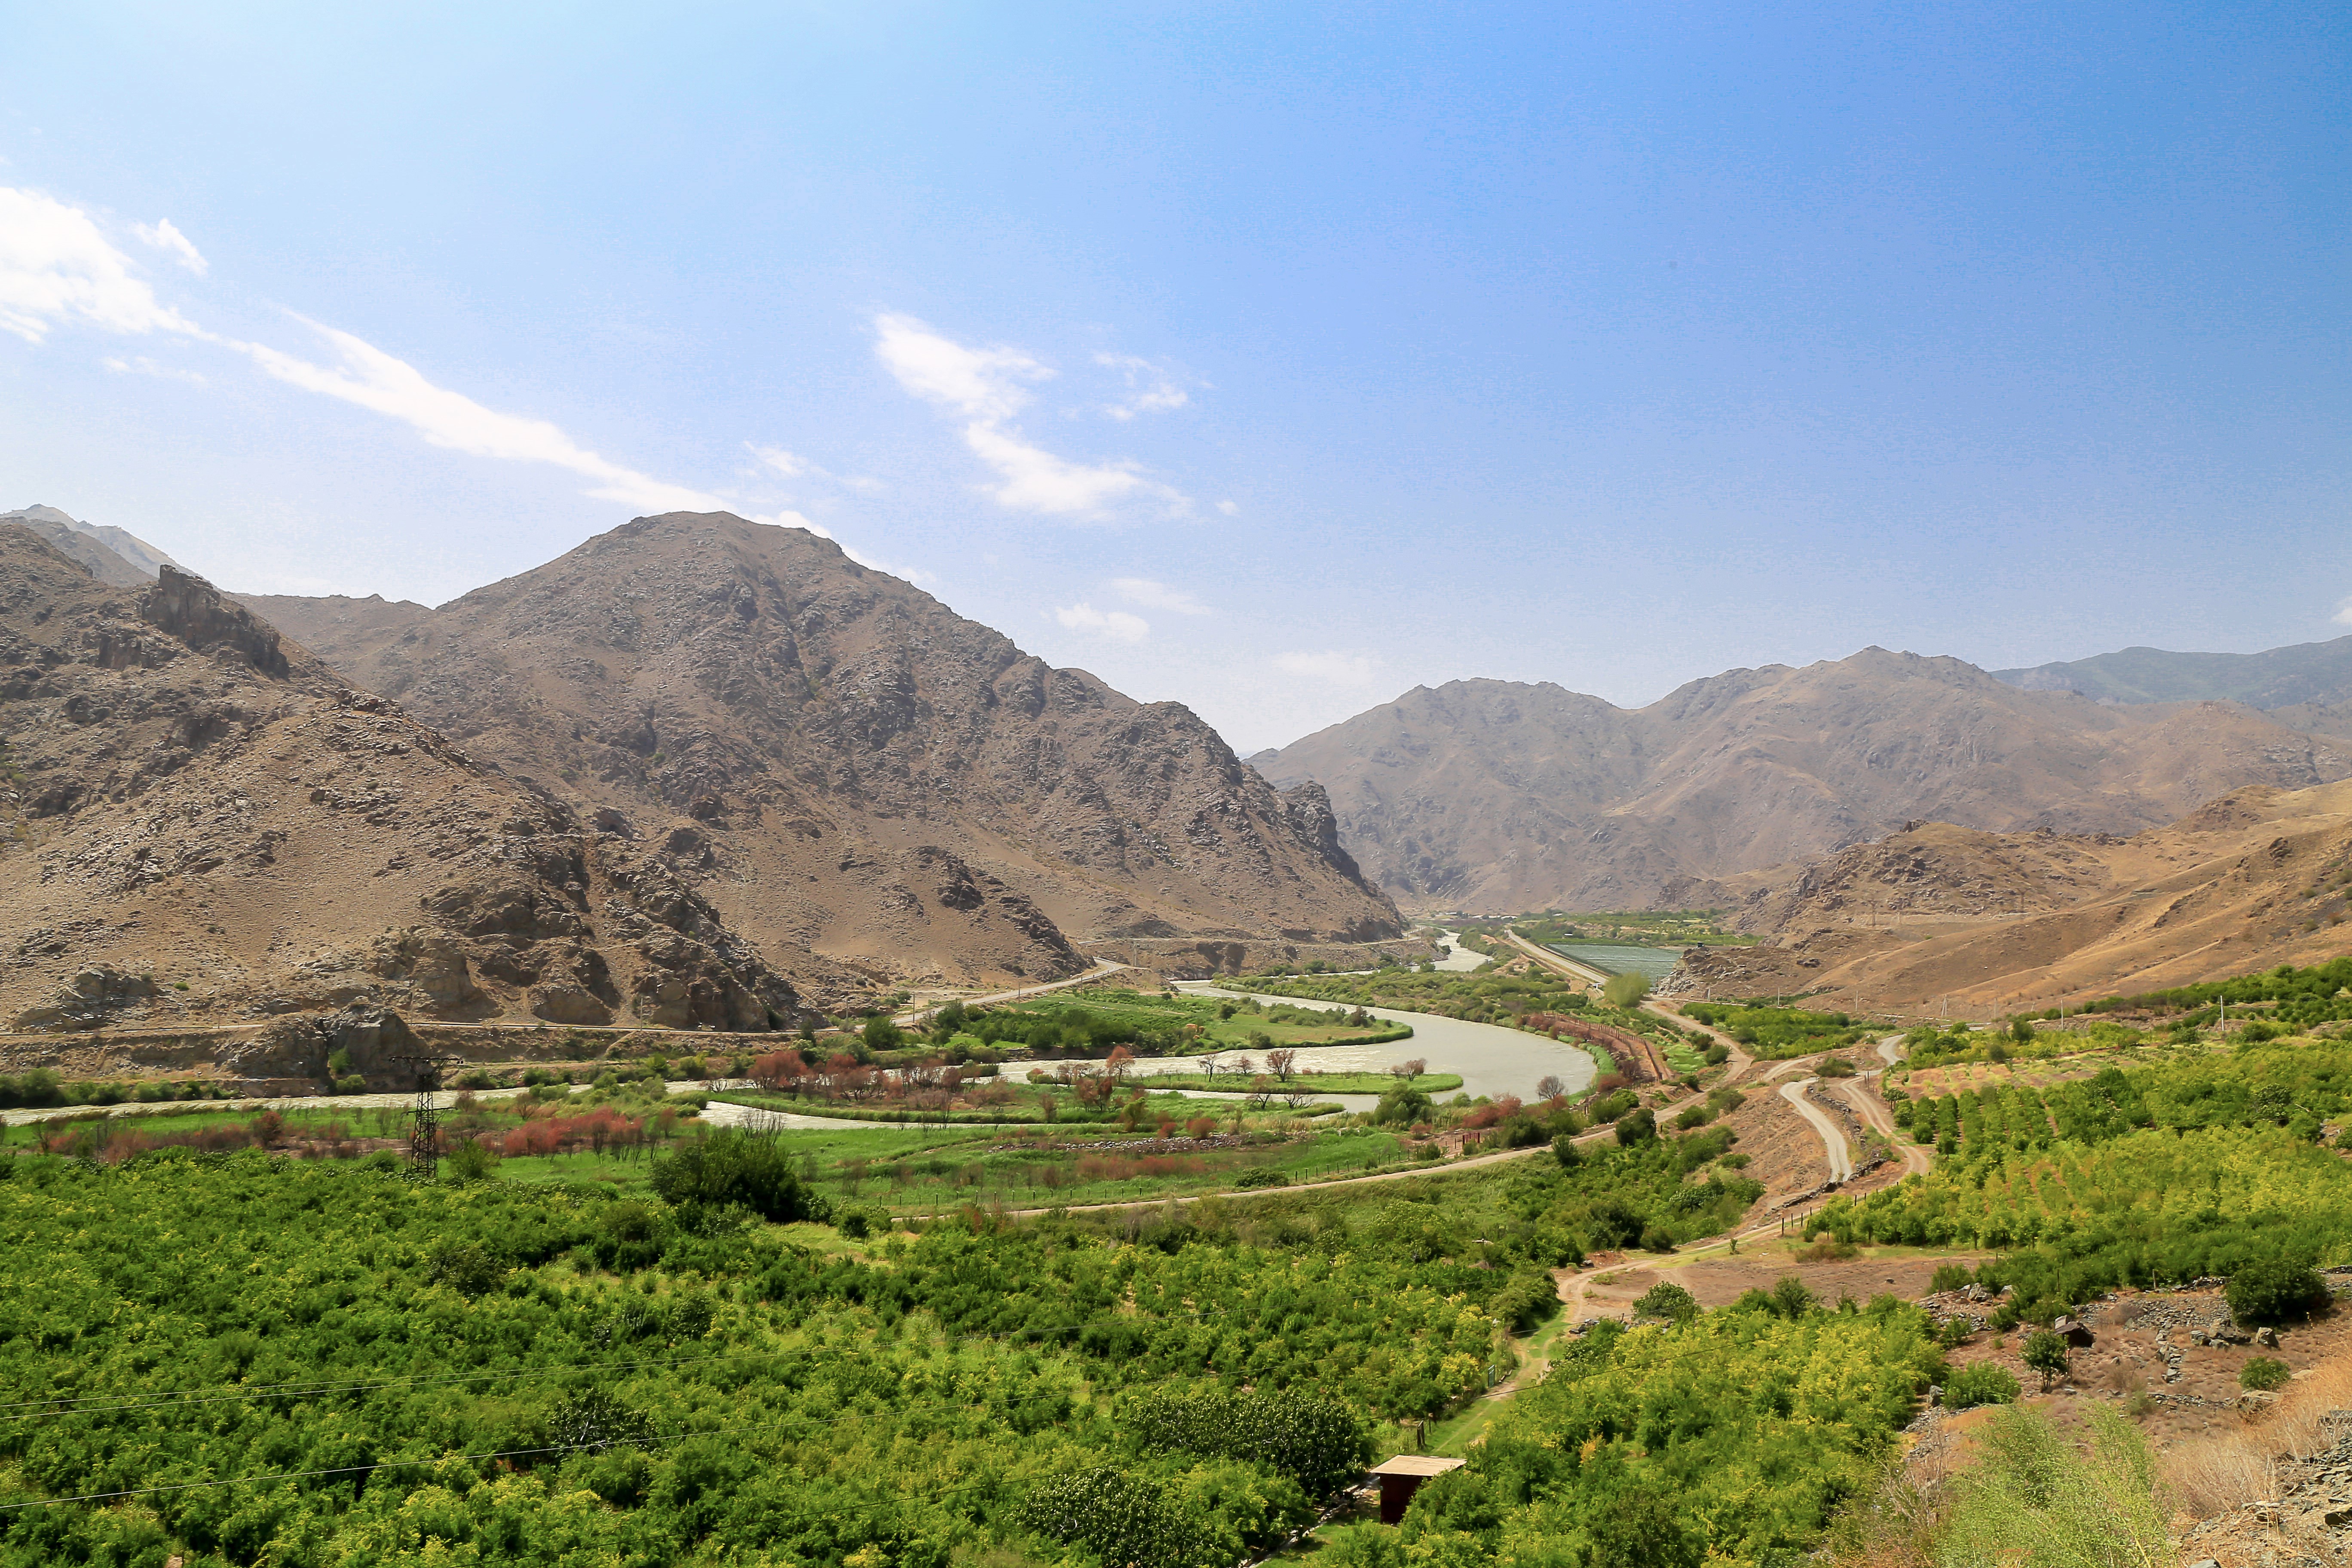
1832 1138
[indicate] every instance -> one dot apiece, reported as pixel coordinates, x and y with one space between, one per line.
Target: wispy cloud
1116 624
56 267
1154 595
59 268
366 375
2344 613
1228 508
1338 668
140 365
163 237
1149 388
986 388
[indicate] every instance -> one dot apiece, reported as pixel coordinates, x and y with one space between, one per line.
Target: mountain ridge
1500 796
845 766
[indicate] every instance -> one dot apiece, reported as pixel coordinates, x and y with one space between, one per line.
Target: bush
1980 1383
1950 1277
1401 1107
471 1162
1564 1150
735 1168
2275 1290
1668 1300
1836 1067
1264 1176
2262 1375
1636 1127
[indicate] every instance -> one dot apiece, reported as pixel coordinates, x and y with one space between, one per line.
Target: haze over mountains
1499 796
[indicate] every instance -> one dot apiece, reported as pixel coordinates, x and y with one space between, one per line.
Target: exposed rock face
199 823
1491 796
832 760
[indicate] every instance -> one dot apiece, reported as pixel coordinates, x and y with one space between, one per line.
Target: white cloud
163 237
1158 597
986 387
56 266
374 380
1149 388
1228 508
1339 668
789 465
979 384
1117 625
140 365
2344 613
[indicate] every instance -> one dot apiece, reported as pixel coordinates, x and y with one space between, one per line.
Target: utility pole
424 1123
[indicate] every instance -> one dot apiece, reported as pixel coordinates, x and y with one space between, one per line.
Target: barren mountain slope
203 824
1492 795
846 765
2259 878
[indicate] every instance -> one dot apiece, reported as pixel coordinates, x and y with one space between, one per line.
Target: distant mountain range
2313 675
1490 796
110 555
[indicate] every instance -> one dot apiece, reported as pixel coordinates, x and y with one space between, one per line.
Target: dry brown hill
203 825
840 762
1491 796
2001 921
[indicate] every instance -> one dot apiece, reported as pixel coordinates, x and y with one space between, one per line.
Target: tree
1789 1298
1401 1107
1625 990
1548 1086
2045 1352
881 1035
1279 1063
1636 1127
1409 1070
1564 1150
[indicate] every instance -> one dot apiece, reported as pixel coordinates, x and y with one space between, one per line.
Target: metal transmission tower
425 1125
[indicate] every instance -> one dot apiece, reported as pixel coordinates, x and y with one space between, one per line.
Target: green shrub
1668 1300
1950 1277
1625 990
1636 1127
2045 1352
1980 1383
733 1168
2262 1375
1263 1176
2274 1289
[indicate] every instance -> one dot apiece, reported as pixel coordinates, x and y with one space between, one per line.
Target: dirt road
1102 966
1862 1095
1833 1140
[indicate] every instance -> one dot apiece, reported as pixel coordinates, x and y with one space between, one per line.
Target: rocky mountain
112 554
201 824
841 764
1491 796
2307 674
1939 916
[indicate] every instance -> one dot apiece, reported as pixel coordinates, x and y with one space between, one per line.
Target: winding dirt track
1833 1140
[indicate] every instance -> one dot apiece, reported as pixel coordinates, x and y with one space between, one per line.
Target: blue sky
1270 359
